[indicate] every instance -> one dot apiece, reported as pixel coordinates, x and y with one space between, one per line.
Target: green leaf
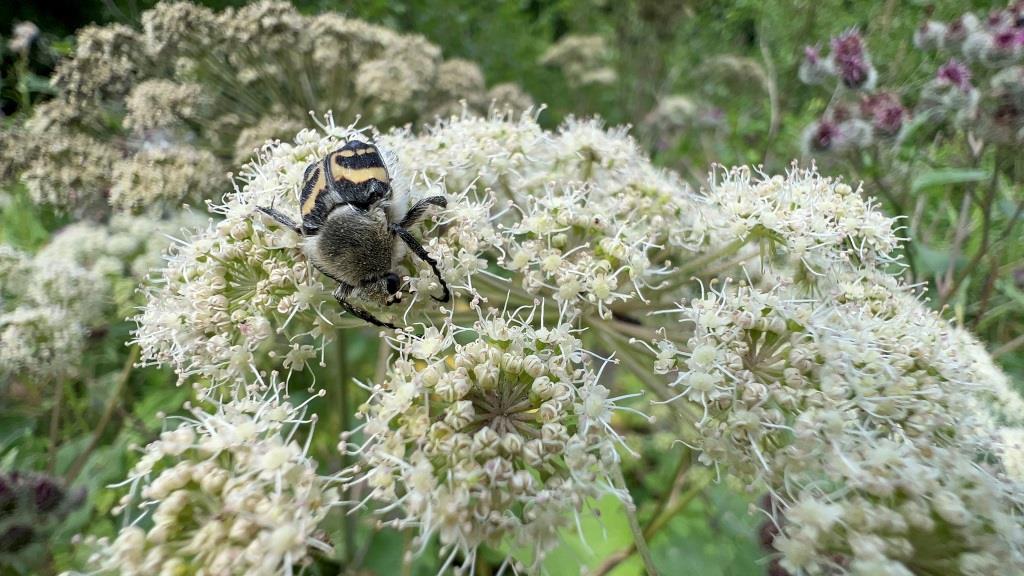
166 400
947 177
714 536
13 427
605 530
930 260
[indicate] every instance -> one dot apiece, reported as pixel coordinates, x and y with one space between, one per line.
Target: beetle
350 227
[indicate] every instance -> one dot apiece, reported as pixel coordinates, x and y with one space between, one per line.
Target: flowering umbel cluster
577 215
826 383
501 438
678 116
583 60
857 420
230 490
761 311
154 116
86 274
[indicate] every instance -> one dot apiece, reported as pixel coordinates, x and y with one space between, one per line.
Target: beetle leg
420 208
341 294
281 219
418 249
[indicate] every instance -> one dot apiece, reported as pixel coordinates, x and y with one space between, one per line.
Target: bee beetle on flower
350 224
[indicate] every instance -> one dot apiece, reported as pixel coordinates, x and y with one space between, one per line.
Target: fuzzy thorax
355 247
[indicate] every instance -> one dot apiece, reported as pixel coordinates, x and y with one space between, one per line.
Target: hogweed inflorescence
762 312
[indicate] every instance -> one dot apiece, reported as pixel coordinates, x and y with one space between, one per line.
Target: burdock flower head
488 435
931 35
231 490
814 69
950 97
31 507
848 61
885 112
956 74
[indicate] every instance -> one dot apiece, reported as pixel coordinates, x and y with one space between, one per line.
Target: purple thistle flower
16 537
814 69
8 499
46 495
955 73
812 54
957 30
1008 40
885 111
851 59
824 135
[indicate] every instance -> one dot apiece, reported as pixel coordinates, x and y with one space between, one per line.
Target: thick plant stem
695 265
634 526
346 421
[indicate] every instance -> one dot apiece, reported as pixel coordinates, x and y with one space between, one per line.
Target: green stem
346 421
639 541
693 266
406 553
673 505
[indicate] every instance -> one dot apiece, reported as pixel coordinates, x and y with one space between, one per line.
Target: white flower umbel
578 245
579 215
817 221
584 196
39 343
855 408
499 433
164 175
82 281
242 284
229 491
584 60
